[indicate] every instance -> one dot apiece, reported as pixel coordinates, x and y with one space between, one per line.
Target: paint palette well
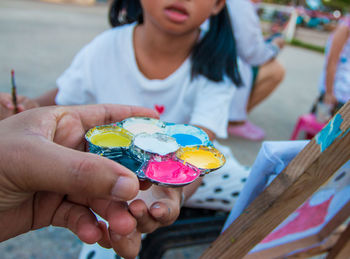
147 145
108 138
170 171
137 125
166 154
187 135
206 158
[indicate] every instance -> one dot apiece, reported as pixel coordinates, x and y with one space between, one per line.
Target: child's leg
269 77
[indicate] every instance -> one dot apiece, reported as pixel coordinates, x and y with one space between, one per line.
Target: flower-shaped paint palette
166 154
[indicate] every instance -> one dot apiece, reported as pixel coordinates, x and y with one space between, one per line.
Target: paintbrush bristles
14 91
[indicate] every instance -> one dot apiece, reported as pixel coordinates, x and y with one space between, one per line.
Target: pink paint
170 172
307 217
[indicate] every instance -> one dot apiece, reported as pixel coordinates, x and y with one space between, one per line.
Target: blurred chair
308 124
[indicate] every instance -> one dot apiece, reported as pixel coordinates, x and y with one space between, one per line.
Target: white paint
137 128
158 143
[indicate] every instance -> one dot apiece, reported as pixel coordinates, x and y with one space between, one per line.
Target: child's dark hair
214 56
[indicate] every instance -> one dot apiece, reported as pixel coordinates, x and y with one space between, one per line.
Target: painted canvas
324 210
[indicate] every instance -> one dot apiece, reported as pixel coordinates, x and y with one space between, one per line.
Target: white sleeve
251 45
74 85
211 106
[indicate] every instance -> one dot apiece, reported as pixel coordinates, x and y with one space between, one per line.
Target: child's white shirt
106 71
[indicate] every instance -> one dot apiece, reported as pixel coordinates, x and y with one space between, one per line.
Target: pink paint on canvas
306 217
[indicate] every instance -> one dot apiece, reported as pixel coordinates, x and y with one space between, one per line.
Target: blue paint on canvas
330 133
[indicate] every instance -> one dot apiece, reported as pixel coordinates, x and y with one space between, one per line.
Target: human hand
46 180
7 107
279 41
330 100
156 207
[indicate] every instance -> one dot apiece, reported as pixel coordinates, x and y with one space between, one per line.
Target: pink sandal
247 131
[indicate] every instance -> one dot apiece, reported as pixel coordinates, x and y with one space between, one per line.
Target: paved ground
39 41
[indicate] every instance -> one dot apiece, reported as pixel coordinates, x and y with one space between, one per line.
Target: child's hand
330 100
156 207
24 103
279 41
7 107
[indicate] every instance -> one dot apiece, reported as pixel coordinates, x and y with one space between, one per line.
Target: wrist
275 48
329 93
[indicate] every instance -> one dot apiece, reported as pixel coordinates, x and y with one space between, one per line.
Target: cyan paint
330 133
187 140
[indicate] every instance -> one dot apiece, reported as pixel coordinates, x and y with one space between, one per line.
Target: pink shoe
247 131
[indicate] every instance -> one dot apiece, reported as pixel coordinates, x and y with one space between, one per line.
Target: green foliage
338 4
305 45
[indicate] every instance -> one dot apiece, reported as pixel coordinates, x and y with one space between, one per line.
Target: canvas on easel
312 222
305 174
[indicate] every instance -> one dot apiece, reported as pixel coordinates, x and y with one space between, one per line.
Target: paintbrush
14 91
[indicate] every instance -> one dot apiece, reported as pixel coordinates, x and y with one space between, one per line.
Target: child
335 80
160 60
261 54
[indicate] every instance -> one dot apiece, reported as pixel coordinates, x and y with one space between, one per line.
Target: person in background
334 84
46 179
260 54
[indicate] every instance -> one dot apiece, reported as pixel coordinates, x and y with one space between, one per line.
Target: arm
251 45
48 98
340 37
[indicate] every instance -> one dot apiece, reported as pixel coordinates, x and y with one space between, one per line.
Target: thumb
67 171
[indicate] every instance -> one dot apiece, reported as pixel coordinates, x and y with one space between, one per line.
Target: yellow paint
200 158
110 139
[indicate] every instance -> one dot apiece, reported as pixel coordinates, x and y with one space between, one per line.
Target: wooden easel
341 249
310 169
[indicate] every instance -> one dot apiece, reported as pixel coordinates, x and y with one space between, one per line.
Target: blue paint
187 140
330 133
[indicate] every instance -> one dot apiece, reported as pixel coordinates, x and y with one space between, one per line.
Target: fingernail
156 206
123 187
